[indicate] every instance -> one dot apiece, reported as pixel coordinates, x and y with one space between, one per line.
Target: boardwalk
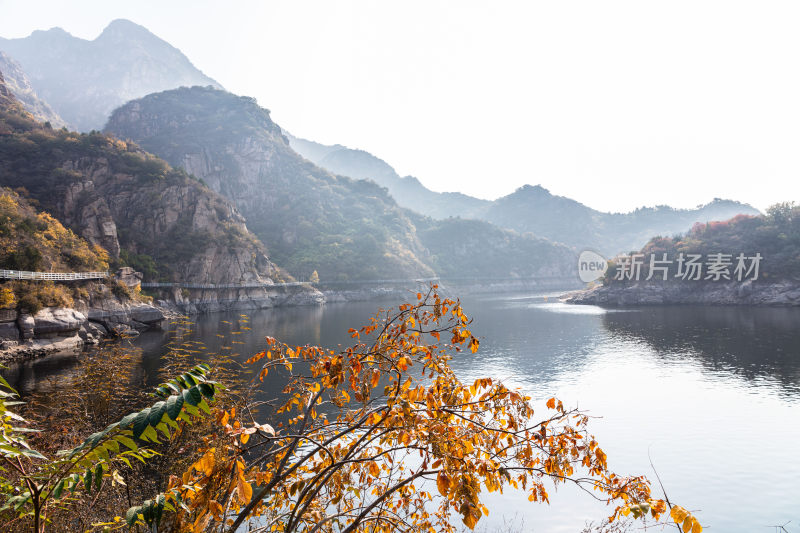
222 286
51 276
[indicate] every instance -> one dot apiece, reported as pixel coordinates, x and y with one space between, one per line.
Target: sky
615 104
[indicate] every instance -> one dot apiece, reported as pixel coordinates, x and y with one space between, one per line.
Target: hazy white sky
615 104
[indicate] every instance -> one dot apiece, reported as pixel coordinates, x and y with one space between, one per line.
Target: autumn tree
383 436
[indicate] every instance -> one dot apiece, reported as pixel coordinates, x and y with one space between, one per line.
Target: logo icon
591 266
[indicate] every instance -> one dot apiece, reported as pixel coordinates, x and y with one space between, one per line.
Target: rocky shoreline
451 288
757 293
59 330
51 330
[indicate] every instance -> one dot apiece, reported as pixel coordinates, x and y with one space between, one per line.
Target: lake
711 394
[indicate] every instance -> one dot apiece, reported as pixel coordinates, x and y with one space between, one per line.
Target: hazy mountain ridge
310 219
529 209
407 191
83 81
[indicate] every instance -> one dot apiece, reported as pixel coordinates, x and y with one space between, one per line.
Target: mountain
309 218
530 209
534 209
18 83
84 80
134 205
408 191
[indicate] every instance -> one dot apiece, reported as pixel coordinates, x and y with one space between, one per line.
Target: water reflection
688 383
749 343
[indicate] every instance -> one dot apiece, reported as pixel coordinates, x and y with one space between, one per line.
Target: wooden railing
52 276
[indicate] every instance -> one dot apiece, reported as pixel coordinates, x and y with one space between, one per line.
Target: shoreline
68 330
783 293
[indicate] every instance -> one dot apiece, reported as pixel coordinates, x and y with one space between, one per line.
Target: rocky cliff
347 230
85 80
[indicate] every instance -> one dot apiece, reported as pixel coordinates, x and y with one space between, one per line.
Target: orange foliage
383 436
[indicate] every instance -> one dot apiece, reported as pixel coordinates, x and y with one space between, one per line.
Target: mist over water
710 393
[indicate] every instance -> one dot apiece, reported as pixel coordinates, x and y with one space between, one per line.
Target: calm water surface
711 393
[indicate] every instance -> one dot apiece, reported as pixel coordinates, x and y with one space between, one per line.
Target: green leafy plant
39 483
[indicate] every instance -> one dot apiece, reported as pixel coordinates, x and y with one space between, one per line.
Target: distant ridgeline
529 209
83 81
310 219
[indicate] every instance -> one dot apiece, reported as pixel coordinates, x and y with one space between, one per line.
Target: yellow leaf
470 519
678 514
697 528
244 489
374 470
442 483
216 509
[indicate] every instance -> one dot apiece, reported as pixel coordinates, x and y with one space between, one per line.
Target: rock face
311 220
778 293
178 221
129 277
57 321
195 301
85 80
18 83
